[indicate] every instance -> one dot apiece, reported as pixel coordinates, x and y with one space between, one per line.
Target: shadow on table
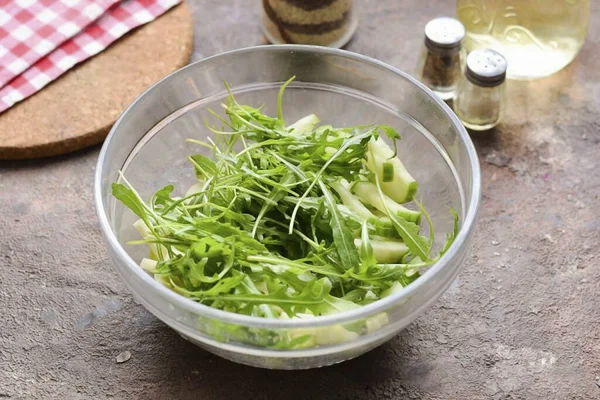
385 371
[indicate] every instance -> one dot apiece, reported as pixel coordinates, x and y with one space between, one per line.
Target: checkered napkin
42 39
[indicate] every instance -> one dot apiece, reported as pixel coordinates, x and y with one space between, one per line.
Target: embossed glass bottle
537 37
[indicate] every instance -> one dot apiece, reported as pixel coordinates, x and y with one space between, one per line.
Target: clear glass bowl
148 144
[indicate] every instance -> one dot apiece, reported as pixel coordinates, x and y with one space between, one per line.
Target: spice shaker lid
486 67
444 33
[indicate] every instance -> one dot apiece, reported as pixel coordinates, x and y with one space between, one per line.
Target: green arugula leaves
265 232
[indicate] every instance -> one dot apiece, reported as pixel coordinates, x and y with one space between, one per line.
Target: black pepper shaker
440 65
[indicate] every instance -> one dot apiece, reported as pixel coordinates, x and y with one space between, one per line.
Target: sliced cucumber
195 188
352 202
157 251
402 187
304 125
383 227
386 251
395 288
367 192
377 322
148 264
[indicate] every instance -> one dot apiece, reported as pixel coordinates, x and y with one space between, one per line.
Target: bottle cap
444 33
486 67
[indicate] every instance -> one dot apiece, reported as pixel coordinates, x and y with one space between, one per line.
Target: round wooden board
78 109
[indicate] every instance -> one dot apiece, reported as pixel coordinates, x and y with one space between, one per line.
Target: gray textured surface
521 322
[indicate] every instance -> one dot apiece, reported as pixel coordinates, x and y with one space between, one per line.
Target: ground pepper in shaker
480 96
440 65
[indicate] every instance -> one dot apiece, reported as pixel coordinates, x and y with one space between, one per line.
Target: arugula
342 236
130 199
265 232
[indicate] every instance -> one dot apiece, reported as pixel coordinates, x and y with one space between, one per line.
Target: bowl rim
359 313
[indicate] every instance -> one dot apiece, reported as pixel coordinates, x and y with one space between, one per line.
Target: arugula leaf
392 134
220 288
342 236
130 199
280 98
204 166
366 251
311 297
408 231
429 223
451 236
163 196
277 193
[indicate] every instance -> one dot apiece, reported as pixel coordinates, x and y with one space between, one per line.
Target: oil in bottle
537 37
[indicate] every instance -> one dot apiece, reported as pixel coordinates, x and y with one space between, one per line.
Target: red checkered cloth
42 39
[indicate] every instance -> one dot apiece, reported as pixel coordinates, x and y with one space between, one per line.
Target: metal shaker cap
486 67
444 33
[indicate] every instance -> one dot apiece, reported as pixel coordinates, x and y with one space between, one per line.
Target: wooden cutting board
78 109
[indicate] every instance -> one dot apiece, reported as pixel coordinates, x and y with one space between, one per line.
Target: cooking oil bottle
537 37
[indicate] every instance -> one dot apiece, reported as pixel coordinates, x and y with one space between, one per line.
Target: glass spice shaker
480 96
440 65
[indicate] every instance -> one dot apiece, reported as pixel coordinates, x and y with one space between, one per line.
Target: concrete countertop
522 321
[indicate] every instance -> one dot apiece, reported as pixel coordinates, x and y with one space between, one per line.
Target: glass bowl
148 144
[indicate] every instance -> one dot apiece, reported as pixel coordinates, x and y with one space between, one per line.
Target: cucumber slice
304 125
395 288
386 251
367 192
402 187
148 264
383 227
351 201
